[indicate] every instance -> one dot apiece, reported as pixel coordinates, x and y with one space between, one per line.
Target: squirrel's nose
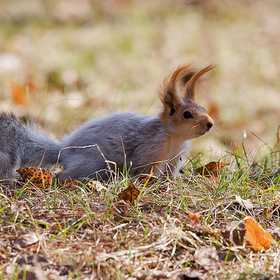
209 125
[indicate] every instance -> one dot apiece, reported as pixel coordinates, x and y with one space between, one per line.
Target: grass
85 233
81 61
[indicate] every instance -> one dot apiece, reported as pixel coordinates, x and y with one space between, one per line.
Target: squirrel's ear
189 91
182 80
169 91
170 100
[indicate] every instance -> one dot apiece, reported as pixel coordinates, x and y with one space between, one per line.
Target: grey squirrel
140 143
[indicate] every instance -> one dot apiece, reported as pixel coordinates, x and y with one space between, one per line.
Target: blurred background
65 61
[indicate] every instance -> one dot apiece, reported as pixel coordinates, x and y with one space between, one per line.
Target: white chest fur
175 157
180 159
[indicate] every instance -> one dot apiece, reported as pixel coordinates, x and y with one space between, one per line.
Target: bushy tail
24 145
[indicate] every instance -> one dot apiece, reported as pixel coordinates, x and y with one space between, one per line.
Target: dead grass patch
87 233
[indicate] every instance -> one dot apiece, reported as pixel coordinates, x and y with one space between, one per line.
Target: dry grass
83 60
87 233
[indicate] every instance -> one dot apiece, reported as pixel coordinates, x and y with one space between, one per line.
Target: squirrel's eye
187 115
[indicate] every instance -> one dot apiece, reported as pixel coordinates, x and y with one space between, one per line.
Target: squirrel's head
184 117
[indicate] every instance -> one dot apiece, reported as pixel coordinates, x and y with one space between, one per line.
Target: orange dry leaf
130 194
256 236
19 93
212 169
38 176
194 218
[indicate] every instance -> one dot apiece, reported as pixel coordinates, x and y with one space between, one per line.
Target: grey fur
119 138
88 152
23 145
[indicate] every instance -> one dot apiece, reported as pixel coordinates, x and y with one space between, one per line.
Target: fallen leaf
211 169
39 177
130 194
194 218
256 236
19 94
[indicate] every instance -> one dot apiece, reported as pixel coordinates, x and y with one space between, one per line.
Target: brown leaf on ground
194 218
39 177
130 194
211 169
256 236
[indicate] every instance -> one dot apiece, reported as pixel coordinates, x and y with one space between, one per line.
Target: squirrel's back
118 140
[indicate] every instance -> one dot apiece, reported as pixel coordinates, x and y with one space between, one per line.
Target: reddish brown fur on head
177 93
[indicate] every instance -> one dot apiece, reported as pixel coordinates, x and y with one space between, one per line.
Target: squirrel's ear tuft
183 80
189 89
170 100
169 91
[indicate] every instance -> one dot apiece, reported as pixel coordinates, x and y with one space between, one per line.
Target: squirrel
142 144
